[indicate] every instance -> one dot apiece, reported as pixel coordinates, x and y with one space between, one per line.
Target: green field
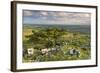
55 44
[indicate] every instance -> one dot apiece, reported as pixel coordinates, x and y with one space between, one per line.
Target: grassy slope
84 54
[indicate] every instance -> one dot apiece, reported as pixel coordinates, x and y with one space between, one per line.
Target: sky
56 17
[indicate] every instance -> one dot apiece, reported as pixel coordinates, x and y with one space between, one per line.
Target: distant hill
73 28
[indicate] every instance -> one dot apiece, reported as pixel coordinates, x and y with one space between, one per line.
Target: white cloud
27 13
44 13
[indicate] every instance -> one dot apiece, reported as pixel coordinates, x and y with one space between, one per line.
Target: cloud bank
56 17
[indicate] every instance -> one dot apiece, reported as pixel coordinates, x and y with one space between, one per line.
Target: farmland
56 42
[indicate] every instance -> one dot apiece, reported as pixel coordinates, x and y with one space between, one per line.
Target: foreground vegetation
55 44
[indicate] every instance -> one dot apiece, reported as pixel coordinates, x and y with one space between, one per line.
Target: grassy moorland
55 44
